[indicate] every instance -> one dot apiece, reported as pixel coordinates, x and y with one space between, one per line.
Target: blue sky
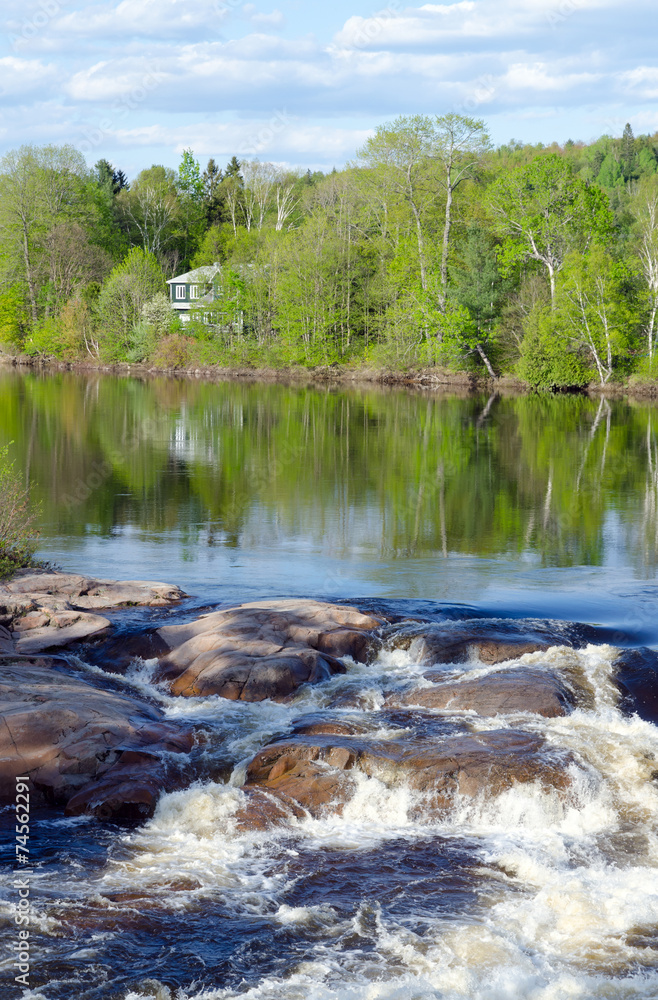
303 83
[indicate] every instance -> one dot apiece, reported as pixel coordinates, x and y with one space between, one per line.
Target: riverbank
438 379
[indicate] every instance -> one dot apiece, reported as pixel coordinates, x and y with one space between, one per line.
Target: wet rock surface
87 748
45 610
264 649
476 640
314 769
636 675
91 747
521 689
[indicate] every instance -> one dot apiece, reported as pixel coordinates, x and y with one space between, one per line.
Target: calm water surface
532 505
442 506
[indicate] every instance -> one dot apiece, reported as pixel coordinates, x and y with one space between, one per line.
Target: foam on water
566 882
567 917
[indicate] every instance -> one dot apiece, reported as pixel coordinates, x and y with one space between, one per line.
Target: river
440 507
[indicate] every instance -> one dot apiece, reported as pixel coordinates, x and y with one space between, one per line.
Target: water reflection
351 474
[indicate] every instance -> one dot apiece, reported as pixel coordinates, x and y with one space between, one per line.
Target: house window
180 291
194 291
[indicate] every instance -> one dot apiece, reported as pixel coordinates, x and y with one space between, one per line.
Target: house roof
200 275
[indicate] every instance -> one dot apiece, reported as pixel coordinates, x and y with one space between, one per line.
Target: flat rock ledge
265 649
41 610
91 750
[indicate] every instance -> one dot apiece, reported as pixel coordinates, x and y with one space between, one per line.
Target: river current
441 509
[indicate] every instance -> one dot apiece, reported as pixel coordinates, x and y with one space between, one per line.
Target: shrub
546 360
175 351
17 516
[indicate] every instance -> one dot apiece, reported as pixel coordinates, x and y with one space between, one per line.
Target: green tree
129 287
460 143
542 212
593 302
191 202
401 150
40 187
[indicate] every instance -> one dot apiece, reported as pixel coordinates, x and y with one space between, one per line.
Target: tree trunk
29 276
446 244
421 247
480 351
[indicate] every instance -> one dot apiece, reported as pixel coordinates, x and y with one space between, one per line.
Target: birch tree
39 187
646 216
542 212
459 145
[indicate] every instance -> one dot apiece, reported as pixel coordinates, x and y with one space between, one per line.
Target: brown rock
92 750
517 690
86 592
33 619
46 610
449 647
263 650
63 628
301 775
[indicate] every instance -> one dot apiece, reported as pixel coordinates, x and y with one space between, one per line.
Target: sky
303 83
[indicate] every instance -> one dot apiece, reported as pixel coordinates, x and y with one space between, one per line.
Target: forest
432 249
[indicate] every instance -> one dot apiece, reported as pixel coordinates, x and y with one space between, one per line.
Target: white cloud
19 78
144 72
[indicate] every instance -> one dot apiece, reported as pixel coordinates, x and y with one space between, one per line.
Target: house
194 290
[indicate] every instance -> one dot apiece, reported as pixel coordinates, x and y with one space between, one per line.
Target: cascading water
531 893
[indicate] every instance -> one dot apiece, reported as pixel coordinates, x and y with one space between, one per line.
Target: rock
478 640
92 750
61 629
438 647
116 653
636 677
46 610
6 641
88 593
302 775
263 650
517 690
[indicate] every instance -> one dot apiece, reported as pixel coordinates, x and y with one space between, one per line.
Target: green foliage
129 287
174 351
18 536
14 320
433 249
547 361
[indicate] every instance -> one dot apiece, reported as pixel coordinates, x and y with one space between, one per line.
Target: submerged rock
303 775
48 610
520 689
92 750
264 649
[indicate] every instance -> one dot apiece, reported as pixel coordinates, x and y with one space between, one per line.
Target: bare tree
286 203
259 181
150 208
